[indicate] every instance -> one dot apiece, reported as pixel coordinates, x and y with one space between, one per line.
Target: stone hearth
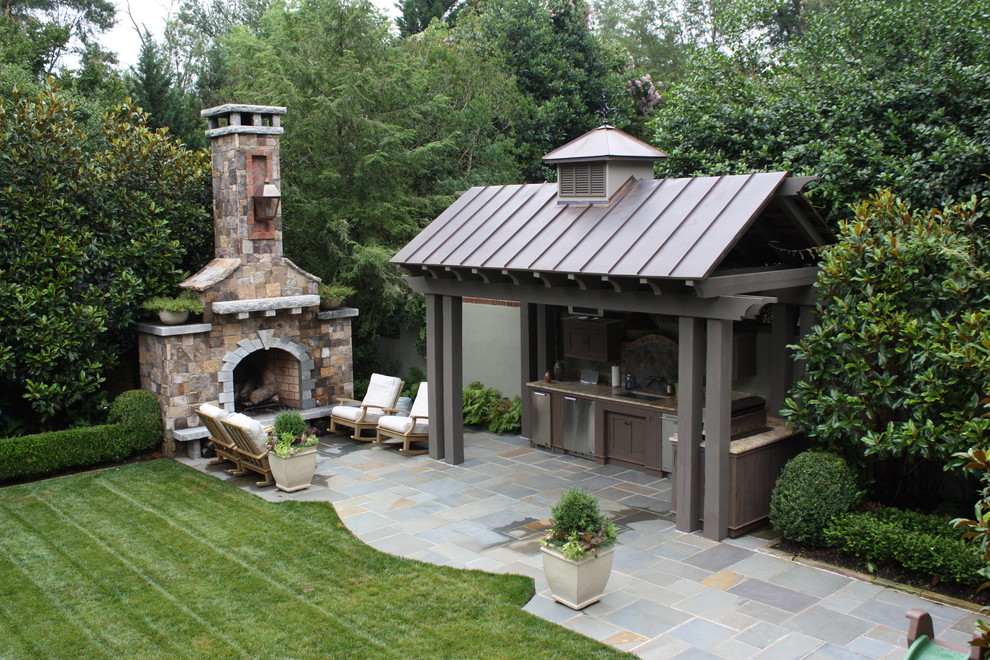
262 324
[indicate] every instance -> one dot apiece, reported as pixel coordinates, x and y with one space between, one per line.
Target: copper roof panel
667 228
710 247
603 143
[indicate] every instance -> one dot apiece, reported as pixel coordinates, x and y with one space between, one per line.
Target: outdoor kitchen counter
777 428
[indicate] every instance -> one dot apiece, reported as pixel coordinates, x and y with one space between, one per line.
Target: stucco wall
491 346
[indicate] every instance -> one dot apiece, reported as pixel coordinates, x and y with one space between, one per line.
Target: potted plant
291 452
578 549
332 295
173 311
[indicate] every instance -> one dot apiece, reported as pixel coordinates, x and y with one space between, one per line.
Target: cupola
593 167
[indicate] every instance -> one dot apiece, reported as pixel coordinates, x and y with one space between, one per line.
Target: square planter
294 472
577 583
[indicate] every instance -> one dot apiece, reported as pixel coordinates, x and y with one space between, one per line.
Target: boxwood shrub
813 488
135 426
919 542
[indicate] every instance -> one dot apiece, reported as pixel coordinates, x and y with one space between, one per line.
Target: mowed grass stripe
130 580
281 577
264 580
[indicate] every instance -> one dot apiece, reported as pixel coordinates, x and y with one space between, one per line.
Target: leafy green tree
896 365
90 224
152 85
417 14
37 33
381 133
570 80
872 95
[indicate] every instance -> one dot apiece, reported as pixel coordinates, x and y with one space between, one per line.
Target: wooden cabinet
591 338
630 436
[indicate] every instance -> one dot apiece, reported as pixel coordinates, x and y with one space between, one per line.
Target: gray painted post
718 430
453 381
690 393
545 336
529 370
807 316
781 363
435 371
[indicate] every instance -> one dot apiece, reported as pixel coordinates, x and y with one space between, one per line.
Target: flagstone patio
671 595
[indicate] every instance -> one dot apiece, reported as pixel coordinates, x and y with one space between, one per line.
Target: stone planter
577 583
331 303
169 317
294 472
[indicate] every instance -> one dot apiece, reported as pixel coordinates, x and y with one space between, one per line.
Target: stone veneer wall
186 370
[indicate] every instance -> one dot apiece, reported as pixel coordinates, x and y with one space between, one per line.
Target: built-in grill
749 415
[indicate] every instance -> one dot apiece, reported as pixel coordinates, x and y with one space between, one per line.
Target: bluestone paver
671 595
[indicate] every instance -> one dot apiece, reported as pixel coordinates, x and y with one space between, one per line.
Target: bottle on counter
629 381
548 377
559 371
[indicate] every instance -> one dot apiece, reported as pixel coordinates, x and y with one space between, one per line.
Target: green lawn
157 560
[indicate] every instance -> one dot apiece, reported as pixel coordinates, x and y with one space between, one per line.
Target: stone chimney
244 144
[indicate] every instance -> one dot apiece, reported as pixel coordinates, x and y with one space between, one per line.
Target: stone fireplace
263 342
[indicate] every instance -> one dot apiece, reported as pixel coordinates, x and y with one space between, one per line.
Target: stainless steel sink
642 396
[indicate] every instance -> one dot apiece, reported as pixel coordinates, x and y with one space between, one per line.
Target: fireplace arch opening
266 381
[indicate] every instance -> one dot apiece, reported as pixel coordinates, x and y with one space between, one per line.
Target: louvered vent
581 179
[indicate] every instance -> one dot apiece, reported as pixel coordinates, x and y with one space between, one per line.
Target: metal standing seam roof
604 143
658 228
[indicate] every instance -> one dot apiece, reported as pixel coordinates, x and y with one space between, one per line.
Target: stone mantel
266 304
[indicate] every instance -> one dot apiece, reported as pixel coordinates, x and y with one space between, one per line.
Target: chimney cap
604 143
228 108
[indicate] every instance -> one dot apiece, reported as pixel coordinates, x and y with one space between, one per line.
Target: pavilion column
781 360
434 370
529 370
444 364
718 430
690 393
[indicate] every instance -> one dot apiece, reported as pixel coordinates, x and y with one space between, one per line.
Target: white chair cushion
421 406
353 414
382 391
253 429
402 425
214 411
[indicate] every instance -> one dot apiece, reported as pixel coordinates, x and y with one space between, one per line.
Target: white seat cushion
253 429
402 425
383 391
353 414
214 411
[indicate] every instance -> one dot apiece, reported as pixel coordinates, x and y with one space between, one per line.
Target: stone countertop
778 428
603 393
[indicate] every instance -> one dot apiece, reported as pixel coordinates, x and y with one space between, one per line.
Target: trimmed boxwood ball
813 488
138 412
291 422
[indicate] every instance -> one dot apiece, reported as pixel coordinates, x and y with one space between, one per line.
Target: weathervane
607 111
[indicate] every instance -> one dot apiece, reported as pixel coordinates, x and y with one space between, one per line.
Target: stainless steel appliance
579 426
539 425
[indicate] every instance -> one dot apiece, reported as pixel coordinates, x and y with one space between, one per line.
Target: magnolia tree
91 222
897 364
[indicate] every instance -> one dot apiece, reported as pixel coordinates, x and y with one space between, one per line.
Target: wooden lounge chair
922 644
211 415
414 427
249 441
383 393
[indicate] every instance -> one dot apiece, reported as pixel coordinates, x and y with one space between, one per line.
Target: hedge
919 542
813 488
134 426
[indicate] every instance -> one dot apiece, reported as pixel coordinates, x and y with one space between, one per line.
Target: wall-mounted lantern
266 200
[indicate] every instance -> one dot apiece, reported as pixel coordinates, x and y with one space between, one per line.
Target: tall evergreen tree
152 85
417 14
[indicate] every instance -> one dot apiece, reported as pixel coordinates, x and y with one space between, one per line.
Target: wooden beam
794 185
748 282
690 399
718 430
653 284
729 308
792 209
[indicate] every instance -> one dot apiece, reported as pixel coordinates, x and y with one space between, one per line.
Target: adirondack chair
383 393
923 646
211 415
249 441
414 427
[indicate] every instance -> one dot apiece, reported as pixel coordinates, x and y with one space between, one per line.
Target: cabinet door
626 437
541 425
